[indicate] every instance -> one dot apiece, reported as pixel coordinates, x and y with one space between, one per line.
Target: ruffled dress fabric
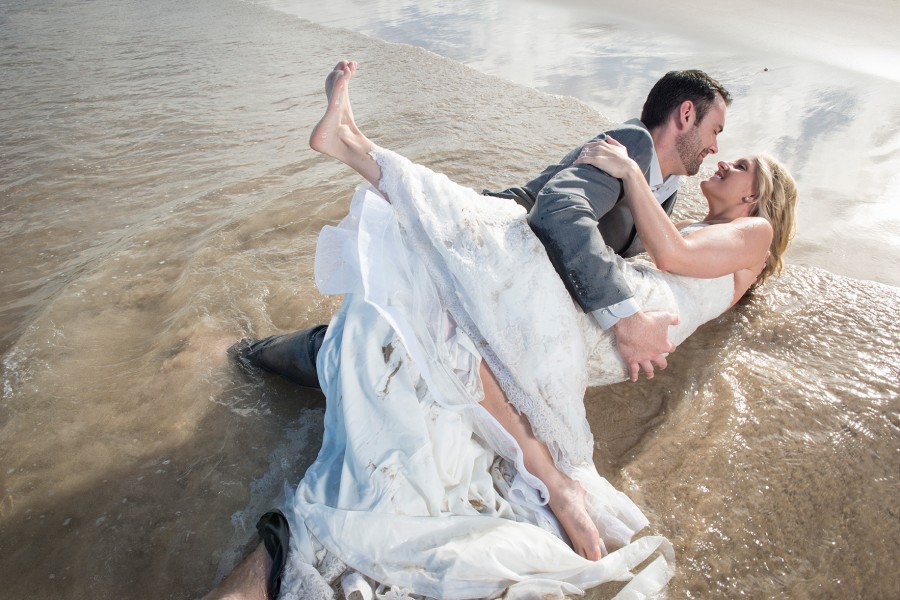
417 491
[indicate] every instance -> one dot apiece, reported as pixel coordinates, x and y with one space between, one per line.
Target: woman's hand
609 155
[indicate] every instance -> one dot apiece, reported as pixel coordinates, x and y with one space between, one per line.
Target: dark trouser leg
290 355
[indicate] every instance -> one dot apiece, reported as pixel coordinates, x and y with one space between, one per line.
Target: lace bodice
694 300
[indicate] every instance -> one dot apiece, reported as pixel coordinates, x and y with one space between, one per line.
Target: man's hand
643 340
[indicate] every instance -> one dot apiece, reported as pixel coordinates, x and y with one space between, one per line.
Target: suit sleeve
527 194
565 217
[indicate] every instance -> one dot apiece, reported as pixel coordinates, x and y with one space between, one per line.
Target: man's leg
290 355
258 577
247 581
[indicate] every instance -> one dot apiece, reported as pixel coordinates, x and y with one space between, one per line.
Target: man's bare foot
567 501
336 134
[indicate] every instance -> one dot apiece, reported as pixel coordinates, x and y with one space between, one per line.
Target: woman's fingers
612 141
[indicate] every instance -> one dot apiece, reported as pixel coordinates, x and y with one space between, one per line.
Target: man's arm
565 217
527 194
642 335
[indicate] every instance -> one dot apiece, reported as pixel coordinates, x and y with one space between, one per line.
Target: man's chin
691 168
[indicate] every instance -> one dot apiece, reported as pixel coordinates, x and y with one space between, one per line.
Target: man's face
700 140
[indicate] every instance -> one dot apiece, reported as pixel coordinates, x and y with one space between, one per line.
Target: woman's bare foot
337 123
336 134
567 501
567 497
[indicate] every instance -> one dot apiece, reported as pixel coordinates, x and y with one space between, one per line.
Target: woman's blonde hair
776 202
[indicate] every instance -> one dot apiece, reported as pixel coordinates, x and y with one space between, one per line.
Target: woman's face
732 182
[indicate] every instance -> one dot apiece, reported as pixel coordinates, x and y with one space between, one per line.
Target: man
578 214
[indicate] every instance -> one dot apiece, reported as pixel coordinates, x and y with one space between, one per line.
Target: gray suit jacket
577 212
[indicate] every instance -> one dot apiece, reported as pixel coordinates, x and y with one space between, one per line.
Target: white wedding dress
417 490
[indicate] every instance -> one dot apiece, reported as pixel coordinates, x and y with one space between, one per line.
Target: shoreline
858 40
825 123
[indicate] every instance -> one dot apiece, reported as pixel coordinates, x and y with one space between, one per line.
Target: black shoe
290 355
276 536
239 352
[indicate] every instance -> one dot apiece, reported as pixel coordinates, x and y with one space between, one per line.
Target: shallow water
815 84
159 202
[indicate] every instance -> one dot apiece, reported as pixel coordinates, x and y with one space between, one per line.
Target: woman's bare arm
716 250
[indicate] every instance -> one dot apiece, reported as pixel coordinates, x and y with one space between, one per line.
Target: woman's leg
566 495
337 135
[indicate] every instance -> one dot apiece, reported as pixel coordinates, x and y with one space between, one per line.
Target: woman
455 414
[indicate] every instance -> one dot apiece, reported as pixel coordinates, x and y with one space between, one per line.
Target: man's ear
687 115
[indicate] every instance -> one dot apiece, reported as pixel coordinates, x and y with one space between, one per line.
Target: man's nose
714 147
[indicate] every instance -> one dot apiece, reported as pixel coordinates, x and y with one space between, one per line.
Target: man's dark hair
677 86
